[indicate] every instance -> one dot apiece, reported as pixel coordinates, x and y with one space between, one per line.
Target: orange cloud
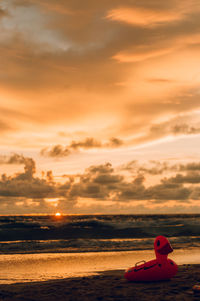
143 17
126 57
67 68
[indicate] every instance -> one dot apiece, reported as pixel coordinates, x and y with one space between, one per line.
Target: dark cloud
115 142
153 167
98 182
157 168
168 191
185 129
192 177
185 173
29 164
50 176
56 151
25 184
102 182
177 129
16 159
136 190
192 166
93 143
130 166
88 143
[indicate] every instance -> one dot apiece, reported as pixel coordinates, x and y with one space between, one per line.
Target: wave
91 245
84 233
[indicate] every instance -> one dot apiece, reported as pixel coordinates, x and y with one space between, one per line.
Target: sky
100 109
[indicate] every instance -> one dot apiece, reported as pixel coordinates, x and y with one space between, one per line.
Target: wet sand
106 286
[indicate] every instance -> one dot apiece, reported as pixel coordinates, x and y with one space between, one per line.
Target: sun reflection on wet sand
41 267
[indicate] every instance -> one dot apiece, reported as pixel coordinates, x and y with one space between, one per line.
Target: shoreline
57 251
50 266
106 286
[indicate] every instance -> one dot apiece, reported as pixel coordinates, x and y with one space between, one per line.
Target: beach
19 268
106 286
89 262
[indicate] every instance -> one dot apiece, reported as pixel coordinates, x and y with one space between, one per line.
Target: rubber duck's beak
166 249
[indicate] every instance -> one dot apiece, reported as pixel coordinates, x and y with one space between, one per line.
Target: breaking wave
90 233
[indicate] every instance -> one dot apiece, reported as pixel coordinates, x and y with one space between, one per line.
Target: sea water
95 233
36 248
50 266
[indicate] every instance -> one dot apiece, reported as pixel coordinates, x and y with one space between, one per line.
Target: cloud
32 25
164 129
137 56
192 177
56 151
144 17
29 164
192 166
186 173
16 159
25 184
87 143
185 129
167 128
153 14
105 69
173 123
98 183
93 143
114 142
104 183
36 65
171 191
156 168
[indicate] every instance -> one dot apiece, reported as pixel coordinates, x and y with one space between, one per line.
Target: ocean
40 248
95 233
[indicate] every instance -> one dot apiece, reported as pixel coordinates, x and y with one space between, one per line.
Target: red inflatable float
160 268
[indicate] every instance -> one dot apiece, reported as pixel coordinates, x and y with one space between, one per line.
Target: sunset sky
100 106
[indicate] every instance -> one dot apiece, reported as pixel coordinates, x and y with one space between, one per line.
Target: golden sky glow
100 109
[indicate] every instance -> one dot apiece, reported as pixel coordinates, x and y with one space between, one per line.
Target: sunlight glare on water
41 267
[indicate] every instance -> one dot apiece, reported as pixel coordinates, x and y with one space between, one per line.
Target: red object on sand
157 269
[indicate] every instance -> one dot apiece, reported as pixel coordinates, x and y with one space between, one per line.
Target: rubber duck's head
162 246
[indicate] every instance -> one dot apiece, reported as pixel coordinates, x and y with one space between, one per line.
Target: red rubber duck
161 268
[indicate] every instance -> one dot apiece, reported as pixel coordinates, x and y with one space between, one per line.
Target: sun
58 214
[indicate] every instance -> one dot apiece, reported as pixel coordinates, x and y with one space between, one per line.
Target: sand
107 286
